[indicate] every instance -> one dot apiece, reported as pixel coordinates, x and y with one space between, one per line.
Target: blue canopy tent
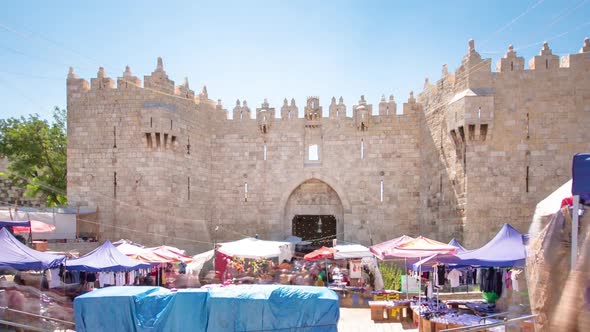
18 256
506 249
105 258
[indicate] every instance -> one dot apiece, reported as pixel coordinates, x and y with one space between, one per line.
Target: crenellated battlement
476 72
163 158
159 83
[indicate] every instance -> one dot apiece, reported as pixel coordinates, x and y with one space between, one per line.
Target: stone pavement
352 320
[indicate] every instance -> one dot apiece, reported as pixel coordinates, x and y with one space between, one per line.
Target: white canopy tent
351 251
255 248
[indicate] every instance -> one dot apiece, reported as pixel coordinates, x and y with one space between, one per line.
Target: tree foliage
36 150
392 276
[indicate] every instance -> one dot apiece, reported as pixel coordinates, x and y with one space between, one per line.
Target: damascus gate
475 149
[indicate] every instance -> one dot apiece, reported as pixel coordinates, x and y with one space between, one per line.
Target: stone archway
314 197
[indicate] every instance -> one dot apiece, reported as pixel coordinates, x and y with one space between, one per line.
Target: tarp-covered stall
105 258
18 256
234 308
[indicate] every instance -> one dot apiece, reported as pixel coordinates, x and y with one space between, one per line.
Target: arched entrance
314 212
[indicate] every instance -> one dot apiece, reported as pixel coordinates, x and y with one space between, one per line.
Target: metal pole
575 221
407 276
215 254
419 293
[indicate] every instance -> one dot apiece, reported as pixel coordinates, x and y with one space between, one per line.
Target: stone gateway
474 150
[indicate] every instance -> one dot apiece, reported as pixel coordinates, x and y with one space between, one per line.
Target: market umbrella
421 247
36 227
141 254
380 250
171 254
322 253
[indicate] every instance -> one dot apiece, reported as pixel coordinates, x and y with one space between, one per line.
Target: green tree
392 276
36 150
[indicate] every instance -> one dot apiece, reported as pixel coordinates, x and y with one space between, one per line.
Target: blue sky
268 49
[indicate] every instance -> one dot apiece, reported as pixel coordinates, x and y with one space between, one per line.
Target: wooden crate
394 314
452 326
426 325
440 326
415 317
378 313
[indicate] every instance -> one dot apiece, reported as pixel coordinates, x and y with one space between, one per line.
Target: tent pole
575 222
407 276
419 292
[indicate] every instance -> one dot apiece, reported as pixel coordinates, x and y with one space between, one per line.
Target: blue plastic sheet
234 308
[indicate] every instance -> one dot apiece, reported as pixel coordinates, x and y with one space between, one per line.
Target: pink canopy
423 247
171 254
382 249
37 226
406 247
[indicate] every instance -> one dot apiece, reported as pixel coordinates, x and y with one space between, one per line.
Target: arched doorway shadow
310 200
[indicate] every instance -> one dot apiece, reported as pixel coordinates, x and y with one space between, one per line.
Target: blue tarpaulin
233 308
105 258
18 256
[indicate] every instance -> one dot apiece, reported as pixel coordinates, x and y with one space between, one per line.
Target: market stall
497 279
405 248
108 266
250 260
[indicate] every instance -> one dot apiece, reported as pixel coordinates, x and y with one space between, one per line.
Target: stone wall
476 149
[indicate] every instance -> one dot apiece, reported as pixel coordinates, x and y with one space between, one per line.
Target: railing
487 326
23 326
32 328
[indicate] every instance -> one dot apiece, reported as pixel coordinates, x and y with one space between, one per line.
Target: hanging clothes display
440 271
514 277
453 277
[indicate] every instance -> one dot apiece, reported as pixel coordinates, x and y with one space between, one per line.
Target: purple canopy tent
18 256
458 245
105 258
506 249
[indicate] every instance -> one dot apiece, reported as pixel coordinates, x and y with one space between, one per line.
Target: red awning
38 227
322 253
